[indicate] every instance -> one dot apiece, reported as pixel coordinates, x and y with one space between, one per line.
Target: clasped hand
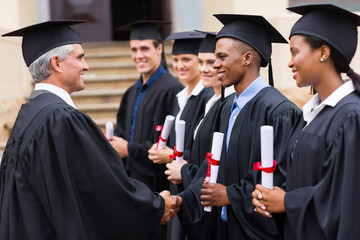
172 206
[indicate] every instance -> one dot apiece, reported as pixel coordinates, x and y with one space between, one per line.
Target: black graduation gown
322 183
202 142
156 104
268 107
61 179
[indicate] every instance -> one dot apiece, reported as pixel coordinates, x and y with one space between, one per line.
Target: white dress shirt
64 95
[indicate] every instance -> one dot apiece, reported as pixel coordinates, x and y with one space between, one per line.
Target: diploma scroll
213 159
165 132
109 130
180 134
267 146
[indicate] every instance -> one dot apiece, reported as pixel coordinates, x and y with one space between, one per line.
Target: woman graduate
322 180
192 99
202 135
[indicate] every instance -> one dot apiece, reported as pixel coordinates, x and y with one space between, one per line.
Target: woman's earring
321 60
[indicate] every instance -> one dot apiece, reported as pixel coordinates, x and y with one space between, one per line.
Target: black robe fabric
201 145
322 183
157 103
61 179
268 107
192 113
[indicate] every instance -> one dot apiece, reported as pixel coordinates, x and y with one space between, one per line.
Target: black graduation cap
334 25
144 29
42 37
208 44
254 30
186 42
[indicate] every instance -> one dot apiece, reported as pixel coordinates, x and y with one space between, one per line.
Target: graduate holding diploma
243 46
322 155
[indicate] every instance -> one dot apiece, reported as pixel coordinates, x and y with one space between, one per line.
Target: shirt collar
314 106
64 95
197 89
157 74
254 88
229 90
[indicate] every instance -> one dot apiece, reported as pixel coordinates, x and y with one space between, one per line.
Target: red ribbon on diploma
257 166
159 128
176 154
210 161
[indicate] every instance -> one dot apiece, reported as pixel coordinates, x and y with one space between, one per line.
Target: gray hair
39 69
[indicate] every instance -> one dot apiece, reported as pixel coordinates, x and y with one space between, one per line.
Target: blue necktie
235 110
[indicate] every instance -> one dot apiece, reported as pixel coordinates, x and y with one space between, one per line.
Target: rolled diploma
216 153
109 130
165 131
180 132
267 146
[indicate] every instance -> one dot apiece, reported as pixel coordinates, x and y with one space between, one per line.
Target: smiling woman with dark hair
321 199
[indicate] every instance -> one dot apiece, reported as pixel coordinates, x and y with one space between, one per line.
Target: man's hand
214 194
174 171
120 145
160 156
176 203
168 211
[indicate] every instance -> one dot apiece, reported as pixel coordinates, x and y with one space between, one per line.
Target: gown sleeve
329 209
82 185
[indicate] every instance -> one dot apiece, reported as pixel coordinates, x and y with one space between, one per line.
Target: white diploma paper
165 131
180 133
109 130
267 146
216 154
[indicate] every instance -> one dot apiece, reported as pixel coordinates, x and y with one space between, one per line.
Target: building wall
15 81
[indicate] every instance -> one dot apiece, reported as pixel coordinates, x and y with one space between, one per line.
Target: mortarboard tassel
222 92
163 59
271 80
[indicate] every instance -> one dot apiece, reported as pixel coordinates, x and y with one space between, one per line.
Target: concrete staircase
111 73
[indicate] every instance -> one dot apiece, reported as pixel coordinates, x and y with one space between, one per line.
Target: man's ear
160 47
248 58
55 63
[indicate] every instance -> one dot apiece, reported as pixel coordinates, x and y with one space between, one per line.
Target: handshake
172 206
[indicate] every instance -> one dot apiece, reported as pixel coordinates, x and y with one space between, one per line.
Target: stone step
99 110
104 67
109 81
96 96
